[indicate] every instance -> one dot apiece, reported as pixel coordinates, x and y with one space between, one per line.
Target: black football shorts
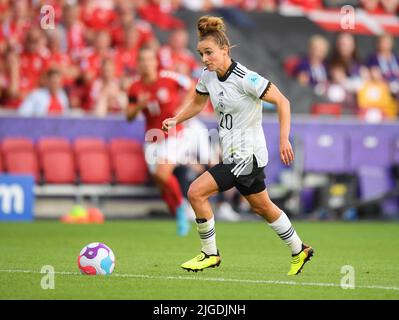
246 184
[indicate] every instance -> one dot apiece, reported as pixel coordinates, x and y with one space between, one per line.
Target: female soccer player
236 94
157 94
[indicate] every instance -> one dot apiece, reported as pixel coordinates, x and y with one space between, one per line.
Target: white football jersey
236 101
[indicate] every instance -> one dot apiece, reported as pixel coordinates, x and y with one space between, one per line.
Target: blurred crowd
368 88
86 60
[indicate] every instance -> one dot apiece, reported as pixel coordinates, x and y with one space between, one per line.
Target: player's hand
142 100
168 124
286 152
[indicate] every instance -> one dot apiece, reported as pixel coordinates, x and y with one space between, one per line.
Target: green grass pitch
148 256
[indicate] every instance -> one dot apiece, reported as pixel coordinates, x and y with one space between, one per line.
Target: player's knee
264 209
194 194
258 210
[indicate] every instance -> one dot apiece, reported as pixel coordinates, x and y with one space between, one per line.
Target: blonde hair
213 27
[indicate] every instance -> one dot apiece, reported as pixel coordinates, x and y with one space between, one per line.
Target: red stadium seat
128 163
59 167
89 144
118 145
290 64
50 145
332 109
94 167
17 144
53 144
22 162
130 167
1 164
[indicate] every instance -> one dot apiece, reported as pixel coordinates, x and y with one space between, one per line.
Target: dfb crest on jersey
220 100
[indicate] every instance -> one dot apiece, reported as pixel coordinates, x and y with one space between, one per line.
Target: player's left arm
274 95
188 95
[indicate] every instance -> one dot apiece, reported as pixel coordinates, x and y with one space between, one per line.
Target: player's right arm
189 110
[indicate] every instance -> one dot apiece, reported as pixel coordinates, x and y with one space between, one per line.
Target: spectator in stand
311 70
129 35
97 16
24 70
49 100
91 64
106 93
72 31
177 57
16 23
340 89
58 58
11 78
126 53
345 53
126 21
375 100
386 62
3 79
159 13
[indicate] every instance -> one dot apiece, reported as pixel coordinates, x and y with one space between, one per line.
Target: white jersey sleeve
201 84
255 85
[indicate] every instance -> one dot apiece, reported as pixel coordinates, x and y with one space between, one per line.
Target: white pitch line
249 281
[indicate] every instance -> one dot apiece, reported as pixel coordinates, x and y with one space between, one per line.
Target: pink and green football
96 259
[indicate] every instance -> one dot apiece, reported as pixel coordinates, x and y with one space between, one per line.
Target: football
96 259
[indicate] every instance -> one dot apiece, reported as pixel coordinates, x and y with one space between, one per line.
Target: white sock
283 227
206 231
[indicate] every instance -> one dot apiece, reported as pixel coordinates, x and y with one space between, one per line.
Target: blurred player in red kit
157 94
